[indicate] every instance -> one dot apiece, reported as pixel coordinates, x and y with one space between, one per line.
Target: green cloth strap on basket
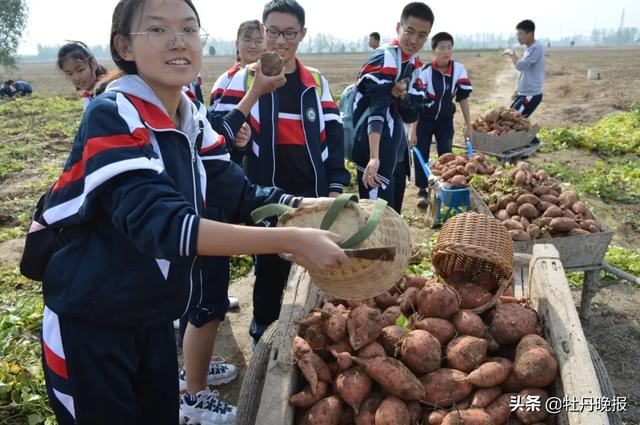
261 214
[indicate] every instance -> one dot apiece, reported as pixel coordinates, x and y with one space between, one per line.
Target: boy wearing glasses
445 80
296 143
386 103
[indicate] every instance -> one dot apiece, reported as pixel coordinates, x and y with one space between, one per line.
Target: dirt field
569 98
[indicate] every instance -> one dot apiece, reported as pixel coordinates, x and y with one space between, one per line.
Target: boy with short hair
374 40
529 91
296 143
445 81
380 146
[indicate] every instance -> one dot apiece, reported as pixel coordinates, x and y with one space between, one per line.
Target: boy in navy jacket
385 98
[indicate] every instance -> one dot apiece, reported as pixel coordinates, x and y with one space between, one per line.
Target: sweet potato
447 157
438 300
530 416
512 384
541 190
490 374
579 232
306 398
367 413
386 300
528 211
512 208
415 281
512 224
390 315
415 412
375 349
343 359
325 412
569 214
389 337
500 409
472 295
493 345
550 198
519 235
353 385
316 337
445 387
420 351
502 215
341 346
392 411
535 364
466 353
364 325
458 181
579 208
568 198
468 417
534 231
528 198
271 63
442 329
520 177
511 322
409 302
563 224
313 318
506 200
468 323
347 417
484 396
313 368
393 376
434 417
553 212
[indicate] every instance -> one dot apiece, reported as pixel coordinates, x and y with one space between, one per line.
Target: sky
53 21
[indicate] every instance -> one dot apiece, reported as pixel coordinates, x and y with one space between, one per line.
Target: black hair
121 25
441 36
375 35
10 82
527 25
244 28
284 6
79 51
417 10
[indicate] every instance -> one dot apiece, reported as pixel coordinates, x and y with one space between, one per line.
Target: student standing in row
296 142
142 163
384 98
445 81
81 67
199 328
374 40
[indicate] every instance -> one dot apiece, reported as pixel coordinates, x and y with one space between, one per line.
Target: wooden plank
300 296
517 282
551 297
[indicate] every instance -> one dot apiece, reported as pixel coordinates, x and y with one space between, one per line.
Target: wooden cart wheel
432 207
605 383
251 391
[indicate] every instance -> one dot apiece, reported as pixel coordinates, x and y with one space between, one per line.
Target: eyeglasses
253 41
288 34
161 38
413 34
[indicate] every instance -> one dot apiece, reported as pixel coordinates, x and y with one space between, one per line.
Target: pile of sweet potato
500 121
445 365
458 169
539 207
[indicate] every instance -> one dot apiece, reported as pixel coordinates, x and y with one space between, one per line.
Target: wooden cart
577 253
272 376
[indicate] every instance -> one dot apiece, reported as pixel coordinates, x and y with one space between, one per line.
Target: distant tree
212 50
13 18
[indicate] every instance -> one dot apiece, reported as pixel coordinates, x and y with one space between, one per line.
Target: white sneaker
219 373
233 302
176 324
206 409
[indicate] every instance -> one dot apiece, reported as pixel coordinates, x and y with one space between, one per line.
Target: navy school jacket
140 186
321 123
442 89
386 115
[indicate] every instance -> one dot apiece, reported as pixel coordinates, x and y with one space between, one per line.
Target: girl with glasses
142 164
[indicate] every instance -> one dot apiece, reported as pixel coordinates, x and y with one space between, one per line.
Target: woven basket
475 244
362 278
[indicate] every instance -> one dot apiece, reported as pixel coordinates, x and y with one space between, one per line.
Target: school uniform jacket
385 115
140 186
321 124
442 89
